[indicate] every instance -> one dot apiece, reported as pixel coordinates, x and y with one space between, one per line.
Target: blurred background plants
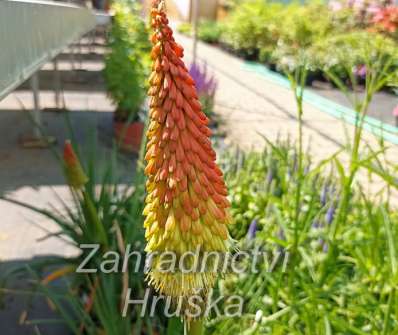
208 31
127 64
310 29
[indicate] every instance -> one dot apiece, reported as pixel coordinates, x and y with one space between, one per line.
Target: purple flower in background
360 71
330 214
324 195
251 233
324 245
206 84
315 224
270 176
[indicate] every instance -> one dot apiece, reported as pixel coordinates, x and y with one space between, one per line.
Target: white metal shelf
34 32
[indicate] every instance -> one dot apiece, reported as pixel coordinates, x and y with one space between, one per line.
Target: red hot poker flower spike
186 206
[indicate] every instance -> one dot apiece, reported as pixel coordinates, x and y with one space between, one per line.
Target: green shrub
274 31
253 26
358 48
303 25
185 28
294 34
127 65
354 48
209 31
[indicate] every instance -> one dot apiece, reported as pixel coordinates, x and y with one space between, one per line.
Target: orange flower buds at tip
74 173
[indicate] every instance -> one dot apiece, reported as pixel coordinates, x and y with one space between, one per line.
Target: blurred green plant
184 28
208 31
127 65
331 245
352 50
252 27
257 179
308 33
106 211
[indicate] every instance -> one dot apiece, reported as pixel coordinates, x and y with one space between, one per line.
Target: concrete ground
381 107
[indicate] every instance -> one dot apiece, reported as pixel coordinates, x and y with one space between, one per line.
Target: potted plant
126 69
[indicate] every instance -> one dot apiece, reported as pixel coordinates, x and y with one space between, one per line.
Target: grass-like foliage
105 211
301 288
127 64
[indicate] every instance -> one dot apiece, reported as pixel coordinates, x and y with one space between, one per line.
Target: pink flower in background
335 6
380 13
386 19
395 111
373 8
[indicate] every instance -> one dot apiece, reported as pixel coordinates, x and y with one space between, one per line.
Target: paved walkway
252 107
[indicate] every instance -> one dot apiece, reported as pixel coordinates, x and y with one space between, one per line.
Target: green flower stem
346 196
196 328
297 83
342 214
175 326
386 325
92 216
